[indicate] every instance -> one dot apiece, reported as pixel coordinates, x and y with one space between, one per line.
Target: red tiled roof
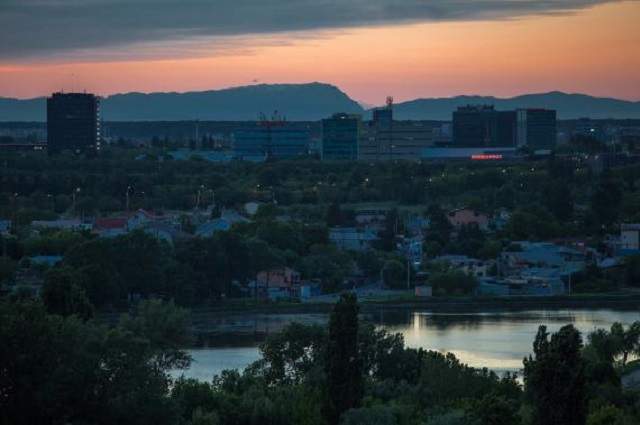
110 223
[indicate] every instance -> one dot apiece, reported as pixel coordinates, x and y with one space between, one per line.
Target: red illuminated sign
486 157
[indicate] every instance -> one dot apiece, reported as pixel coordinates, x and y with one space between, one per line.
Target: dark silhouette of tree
62 294
344 366
554 378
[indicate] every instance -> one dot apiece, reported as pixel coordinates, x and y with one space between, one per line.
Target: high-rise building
271 140
340 136
536 128
483 126
73 122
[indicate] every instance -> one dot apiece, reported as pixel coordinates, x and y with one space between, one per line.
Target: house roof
110 223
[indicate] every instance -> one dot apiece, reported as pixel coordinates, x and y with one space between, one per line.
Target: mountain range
309 102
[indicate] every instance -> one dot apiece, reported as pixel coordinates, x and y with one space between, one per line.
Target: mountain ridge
311 101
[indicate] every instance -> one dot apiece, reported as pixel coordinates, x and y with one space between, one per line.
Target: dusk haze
319 212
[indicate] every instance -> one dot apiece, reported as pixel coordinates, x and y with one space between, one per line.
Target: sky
369 48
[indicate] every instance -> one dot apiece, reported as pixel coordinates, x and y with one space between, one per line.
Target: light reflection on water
496 340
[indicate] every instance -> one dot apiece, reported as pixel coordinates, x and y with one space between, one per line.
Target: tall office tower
483 126
537 128
73 122
340 135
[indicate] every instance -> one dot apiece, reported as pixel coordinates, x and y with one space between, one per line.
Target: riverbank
436 304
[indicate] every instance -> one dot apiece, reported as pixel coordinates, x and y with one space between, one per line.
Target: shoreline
449 304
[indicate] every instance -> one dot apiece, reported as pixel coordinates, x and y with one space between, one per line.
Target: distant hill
569 106
297 102
309 102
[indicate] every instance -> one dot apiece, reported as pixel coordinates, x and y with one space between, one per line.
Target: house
164 231
468 265
544 282
416 224
526 254
371 215
352 239
227 219
140 218
208 229
630 237
111 227
282 283
412 249
5 227
467 216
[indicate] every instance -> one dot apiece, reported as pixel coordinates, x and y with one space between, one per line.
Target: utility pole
408 272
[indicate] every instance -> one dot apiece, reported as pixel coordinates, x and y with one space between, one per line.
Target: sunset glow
594 50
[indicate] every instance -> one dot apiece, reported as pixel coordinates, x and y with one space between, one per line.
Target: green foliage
343 364
453 282
555 379
394 274
63 294
63 370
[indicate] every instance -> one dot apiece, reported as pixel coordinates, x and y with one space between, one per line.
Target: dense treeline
553 198
59 369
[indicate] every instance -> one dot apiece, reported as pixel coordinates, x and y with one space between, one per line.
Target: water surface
496 340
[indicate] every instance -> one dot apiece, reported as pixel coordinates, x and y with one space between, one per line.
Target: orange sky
594 51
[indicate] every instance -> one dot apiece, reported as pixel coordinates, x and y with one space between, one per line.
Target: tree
625 341
606 201
394 274
343 366
494 410
554 378
63 295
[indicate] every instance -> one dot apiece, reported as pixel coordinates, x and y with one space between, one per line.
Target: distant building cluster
475 132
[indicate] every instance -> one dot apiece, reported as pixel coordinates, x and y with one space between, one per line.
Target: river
496 340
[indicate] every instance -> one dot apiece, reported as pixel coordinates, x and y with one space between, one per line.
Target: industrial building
385 139
73 122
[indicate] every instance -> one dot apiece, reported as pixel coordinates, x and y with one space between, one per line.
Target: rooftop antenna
389 102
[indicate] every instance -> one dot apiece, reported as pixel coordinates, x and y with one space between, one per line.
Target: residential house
630 237
227 219
468 265
141 218
282 283
467 216
352 239
110 227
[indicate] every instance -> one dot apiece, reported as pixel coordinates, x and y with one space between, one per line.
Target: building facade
536 128
401 140
280 140
73 122
340 137
483 126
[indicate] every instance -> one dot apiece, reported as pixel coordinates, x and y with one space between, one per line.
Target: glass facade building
279 140
340 137
537 128
483 126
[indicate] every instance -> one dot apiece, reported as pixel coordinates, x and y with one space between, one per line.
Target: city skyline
435 49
